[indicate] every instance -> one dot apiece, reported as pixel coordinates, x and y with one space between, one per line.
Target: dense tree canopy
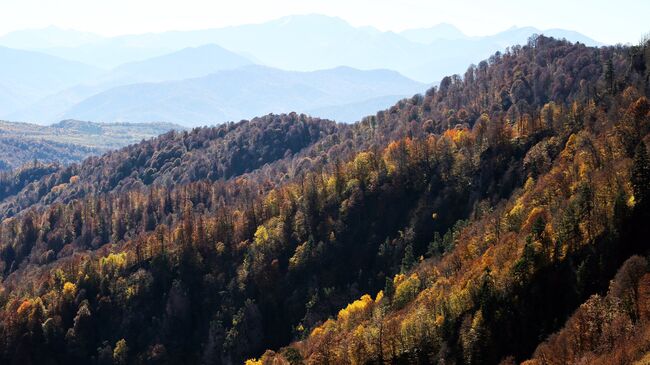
459 226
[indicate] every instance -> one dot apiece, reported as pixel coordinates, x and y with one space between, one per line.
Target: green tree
409 258
609 75
641 175
436 246
538 227
389 288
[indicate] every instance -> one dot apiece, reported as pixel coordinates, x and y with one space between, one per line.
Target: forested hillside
465 225
17 151
68 141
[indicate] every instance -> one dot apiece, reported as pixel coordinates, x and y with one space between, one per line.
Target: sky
608 21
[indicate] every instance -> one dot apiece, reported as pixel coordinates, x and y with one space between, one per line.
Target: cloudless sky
609 21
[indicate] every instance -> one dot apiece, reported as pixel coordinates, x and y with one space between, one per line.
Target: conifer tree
641 175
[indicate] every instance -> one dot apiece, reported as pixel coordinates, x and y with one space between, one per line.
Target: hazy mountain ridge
355 111
319 39
27 76
434 33
241 94
182 64
68 141
302 43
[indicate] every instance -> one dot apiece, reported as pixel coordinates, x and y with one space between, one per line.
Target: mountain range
243 93
209 84
186 63
62 74
308 43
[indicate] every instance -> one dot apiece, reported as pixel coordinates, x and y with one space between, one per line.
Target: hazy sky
605 20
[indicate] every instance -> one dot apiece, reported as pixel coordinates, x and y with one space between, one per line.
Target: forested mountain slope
176 157
478 215
17 151
490 288
606 329
68 141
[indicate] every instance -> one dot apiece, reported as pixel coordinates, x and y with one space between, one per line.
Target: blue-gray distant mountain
243 93
48 90
187 63
352 112
313 42
107 53
184 64
434 33
447 55
27 76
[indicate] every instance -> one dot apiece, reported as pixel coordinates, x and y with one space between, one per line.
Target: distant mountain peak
242 93
186 63
436 32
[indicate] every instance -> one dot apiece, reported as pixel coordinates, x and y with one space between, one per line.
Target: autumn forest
500 217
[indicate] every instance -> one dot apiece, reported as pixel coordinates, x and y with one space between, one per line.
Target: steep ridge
175 158
496 179
516 270
606 329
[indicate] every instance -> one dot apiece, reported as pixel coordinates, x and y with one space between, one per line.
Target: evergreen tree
409 258
641 175
609 76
